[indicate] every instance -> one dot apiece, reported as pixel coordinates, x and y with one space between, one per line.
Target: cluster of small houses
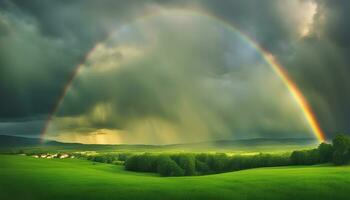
49 156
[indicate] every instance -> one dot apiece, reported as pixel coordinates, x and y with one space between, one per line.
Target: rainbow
277 68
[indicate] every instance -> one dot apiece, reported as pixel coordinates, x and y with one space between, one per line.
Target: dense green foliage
325 152
143 163
162 164
338 152
341 146
115 158
168 167
23 177
305 157
200 164
187 164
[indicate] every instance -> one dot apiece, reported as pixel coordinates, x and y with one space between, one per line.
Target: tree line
338 153
188 164
110 158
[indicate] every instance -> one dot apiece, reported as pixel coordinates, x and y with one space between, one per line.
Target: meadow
23 177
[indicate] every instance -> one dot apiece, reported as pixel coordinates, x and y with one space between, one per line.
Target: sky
160 72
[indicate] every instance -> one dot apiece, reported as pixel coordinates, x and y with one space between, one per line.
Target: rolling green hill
23 177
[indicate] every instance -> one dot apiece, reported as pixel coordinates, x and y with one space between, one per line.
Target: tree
220 162
147 163
237 163
202 167
305 157
326 152
187 163
341 146
168 167
143 163
131 163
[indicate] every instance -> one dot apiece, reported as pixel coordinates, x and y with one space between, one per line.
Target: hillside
24 177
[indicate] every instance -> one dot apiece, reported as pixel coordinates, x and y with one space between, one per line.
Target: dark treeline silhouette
188 164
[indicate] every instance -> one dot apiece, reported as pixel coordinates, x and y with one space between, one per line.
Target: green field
23 177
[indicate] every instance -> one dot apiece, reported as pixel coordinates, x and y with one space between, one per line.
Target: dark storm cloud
332 20
321 65
22 128
42 41
33 65
261 20
86 20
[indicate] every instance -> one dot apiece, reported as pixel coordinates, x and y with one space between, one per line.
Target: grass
24 177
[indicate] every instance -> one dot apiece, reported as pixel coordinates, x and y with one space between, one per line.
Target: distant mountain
257 142
9 142
17 141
